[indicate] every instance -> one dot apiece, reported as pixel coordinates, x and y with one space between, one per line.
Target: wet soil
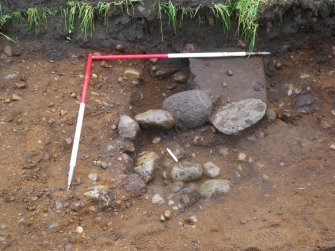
282 196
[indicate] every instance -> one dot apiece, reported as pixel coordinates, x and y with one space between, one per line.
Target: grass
103 10
84 14
15 16
223 12
38 17
86 18
247 20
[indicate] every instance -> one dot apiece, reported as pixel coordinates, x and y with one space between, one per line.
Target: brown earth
282 197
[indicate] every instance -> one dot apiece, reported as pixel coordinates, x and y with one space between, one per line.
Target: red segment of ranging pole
90 58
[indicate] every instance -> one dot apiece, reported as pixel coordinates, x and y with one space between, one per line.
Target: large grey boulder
128 127
155 118
237 116
189 108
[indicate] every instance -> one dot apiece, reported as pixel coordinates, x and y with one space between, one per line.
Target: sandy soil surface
282 195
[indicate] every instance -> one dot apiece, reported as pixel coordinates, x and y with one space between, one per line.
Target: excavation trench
280 170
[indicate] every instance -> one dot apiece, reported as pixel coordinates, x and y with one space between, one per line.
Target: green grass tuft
86 17
247 20
223 12
103 10
38 17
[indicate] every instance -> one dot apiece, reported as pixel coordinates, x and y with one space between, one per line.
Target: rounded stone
237 116
186 171
155 118
211 170
189 108
128 127
214 188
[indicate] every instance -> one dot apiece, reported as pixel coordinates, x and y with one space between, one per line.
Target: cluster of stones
187 109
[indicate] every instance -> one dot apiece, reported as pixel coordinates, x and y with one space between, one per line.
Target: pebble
94 75
134 184
211 170
332 146
190 108
257 86
93 177
104 165
180 77
128 127
10 76
164 71
8 50
304 100
79 229
230 73
156 140
304 75
162 218
157 199
68 247
100 194
68 140
237 116
155 118
58 204
132 74
241 157
22 222
20 85
54 227
214 188
167 214
146 164
186 171
191 220
16 97
184 198
176 188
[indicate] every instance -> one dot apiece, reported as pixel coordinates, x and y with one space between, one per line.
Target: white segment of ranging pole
216 54
76 143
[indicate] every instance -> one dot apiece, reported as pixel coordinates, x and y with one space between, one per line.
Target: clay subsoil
282 196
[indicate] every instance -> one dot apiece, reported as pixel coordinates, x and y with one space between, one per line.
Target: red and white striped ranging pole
91 57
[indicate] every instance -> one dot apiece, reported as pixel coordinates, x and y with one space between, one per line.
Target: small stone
265 177
191 220
214 188
135 82
257 86
211 170
304 100
8 50
332 146
7 100
180 77
147 163
186 171
155 118
79 229
167 214
68 247
132 74
20 85
22 222
241 157
157 199
100 194
16 97
58 204
279 65
162 218
156 140
68 140
128 127
54 227
104 165
185 198
271 114
10 76
230 73
134 184
223 151
304 75
119 47
176 188
164 71
93 176
94 75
